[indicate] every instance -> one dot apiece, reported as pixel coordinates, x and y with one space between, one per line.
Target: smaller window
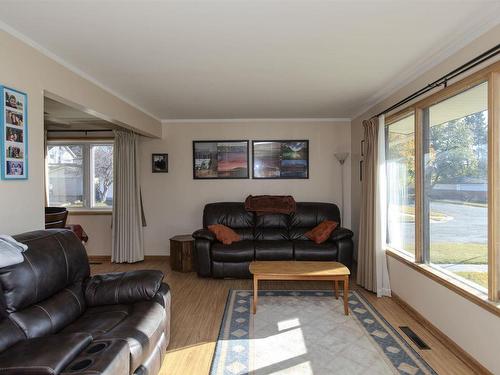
80 175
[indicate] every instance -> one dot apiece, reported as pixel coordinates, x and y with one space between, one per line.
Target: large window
455 214
443 186
80 175
400 169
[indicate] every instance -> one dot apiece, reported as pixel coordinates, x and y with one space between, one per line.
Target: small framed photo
159 163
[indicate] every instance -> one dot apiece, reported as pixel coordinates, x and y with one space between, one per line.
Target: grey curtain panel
128 243
372 273
366 274
46 166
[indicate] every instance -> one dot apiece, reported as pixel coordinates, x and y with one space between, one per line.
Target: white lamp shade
341 156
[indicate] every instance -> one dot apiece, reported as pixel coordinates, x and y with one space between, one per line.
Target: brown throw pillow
224 234
322 231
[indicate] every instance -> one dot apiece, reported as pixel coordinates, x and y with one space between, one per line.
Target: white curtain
128 244
46 166
397 197
383 287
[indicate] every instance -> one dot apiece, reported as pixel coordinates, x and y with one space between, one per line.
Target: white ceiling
250 58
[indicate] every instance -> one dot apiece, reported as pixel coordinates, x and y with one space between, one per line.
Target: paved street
465 267
468 224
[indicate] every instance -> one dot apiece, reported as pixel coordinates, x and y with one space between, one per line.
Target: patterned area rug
306 332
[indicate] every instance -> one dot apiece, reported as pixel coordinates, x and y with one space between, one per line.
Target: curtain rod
78 131
443 81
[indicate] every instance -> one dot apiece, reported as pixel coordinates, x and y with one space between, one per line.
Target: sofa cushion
44 355
236 252
55 259
310 214
53 314
271 227
309 250
299 233
99 320
224 234
274 250
232 215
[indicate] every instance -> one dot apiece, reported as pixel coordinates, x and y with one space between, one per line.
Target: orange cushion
224 234
322 231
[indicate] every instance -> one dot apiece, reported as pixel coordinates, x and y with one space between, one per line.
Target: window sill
462 289
76 212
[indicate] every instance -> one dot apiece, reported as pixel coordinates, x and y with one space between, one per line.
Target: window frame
491 75
88 193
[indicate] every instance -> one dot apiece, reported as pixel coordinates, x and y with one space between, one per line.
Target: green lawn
480 278
457 253
461 253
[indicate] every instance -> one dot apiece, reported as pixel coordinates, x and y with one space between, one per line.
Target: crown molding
258 120
46 52
438 55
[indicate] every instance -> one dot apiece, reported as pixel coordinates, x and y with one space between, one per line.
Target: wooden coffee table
296 270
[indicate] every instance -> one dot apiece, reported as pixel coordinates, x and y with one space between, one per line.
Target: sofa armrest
345 249
123 287
202 257
340 234
204 234
47 355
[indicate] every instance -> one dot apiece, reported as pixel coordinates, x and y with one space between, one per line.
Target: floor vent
414 337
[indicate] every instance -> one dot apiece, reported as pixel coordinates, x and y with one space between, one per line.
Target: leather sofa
57 319
267 237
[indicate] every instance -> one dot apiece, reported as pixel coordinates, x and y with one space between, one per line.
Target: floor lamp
342 157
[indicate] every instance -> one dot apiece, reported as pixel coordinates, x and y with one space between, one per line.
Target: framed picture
14 134
159 163
220 159
280 159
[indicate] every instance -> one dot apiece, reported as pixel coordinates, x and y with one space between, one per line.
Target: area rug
306 332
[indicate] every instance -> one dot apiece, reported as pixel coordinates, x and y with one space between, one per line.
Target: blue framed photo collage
14 134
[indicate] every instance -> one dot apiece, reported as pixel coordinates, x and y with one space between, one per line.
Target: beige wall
467 324
174 202
474 329
98 228
25 69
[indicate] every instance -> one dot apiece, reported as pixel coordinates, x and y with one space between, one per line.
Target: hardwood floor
198 306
